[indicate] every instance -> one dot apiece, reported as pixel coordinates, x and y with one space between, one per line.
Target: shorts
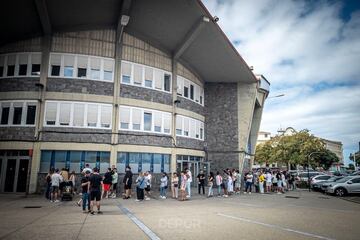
147 188
95 195
54 189
268 184
279 183
107 187
114 186
127 187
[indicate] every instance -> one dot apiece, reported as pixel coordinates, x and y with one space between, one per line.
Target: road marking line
275 226
140 224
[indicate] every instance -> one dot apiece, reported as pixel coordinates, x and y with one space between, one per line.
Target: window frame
24 106
89 69
17 65
196 127
197 90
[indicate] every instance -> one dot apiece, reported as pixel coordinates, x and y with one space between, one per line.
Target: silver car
345 186
314 183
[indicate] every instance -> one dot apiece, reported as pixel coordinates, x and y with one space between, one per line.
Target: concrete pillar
173 129
246 102
35 165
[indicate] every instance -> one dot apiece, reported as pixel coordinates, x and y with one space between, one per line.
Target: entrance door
22 175
10 175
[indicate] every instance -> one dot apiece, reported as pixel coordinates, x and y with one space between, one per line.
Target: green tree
351 166
326 158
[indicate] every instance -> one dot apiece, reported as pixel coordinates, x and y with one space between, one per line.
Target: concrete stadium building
151 84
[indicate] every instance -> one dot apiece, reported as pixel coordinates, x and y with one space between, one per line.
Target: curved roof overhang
174 26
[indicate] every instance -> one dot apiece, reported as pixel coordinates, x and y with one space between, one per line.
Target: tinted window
30 117
1 71
22 69
5 115
17 115
35 69
147 121
81 72
55 70
167 82
11 70
356 180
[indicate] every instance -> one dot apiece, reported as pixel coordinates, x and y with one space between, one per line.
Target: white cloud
315 46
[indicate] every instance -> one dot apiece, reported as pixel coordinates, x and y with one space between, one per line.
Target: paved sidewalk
295 215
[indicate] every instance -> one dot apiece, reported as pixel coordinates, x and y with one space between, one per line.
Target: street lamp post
309 169
276 96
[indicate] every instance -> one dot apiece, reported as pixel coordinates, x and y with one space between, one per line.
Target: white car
345 186
317 179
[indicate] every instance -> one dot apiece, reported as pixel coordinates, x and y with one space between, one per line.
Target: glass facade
141 162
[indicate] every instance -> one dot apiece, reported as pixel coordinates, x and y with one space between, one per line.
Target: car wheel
340 192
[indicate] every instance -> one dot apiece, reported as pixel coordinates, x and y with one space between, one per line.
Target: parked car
323 185
303 176
314 182
347 185
356 173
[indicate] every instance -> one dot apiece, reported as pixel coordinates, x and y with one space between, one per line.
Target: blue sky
310 51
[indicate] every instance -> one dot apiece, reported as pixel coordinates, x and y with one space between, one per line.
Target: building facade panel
78 135
17 133
183 142
128 91
191 106
80 86
19 84
141 138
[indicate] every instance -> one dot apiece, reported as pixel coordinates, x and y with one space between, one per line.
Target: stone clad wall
183 142
17 133
190 105
145 94
221 125
143 138
80 86
19 84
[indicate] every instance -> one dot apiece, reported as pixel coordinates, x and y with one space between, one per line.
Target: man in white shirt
188 183
56 179
87 168
268 182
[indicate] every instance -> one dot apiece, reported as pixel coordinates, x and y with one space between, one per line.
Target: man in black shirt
127 182
85 182
96 183
201 181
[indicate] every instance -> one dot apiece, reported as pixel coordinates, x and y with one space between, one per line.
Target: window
92 115
30 115
95 68
180 85
64 118
158 75
167 83
55 64
167 122
82 67
69 66
79 112
148 77
157 121
202 131
179 123
35 64
147 121
2 62
138 75
106 113
5 110
124 117
192 92
11 65
186 126
186 89
50 116
153 162
23 61
197 93
125 72
17 113
136 119
108 70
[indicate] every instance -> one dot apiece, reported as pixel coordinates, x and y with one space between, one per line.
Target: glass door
10 175
22 175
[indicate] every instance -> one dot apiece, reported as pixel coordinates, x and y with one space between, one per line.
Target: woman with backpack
140 186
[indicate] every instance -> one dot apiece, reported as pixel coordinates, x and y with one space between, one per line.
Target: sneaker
84 211
245 192
137 200
51 200
92 212
57 201
147 199
187 196
249 192
99 212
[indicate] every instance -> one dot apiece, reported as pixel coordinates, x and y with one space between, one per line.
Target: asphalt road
295 215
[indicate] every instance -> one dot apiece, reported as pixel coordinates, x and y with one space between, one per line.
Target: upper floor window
147 120
20 65
145 76
81 66
17 113
189 127
78 114
190 90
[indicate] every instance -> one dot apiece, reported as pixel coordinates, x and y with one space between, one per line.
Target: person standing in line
284 181
249 180
238 182
225 184
218 180
174 185
85 186
188 182
234 178
279 183
183 186
230 185
96 184
148 185
127 182
114 181
87 168
211 184
140 186
72 180
107 183
201 182
261 182
56 180
48 184
274 182
268 182
163 185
